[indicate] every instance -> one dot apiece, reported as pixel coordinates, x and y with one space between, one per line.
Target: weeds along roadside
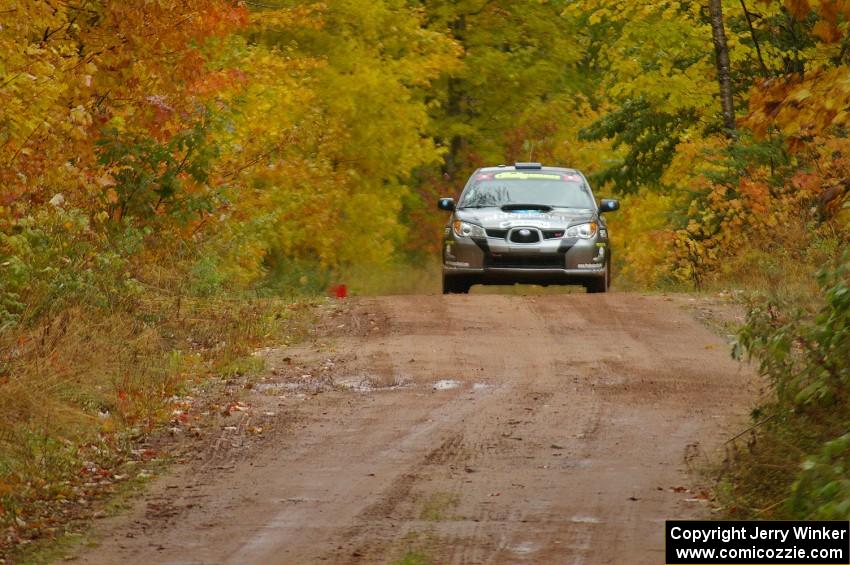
86 376
794 463
791 277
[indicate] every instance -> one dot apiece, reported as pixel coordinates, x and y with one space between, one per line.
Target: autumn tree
71 70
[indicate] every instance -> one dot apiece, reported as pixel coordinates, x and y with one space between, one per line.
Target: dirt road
464 429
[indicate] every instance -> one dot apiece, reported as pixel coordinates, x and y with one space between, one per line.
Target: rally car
526 223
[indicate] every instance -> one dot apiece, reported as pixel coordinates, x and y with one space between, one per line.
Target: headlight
583 231
463 229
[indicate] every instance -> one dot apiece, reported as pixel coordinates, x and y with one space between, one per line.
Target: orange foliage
72 69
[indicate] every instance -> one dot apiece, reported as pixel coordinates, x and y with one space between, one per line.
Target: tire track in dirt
488 429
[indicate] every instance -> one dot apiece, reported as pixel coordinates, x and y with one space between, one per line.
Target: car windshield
558 190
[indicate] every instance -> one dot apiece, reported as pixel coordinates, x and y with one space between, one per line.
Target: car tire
456 285
600 284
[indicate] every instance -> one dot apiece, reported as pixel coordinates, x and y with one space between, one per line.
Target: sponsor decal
589 265
527 176
535 214
456 264
527 224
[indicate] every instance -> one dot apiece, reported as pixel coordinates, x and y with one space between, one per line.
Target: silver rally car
526 224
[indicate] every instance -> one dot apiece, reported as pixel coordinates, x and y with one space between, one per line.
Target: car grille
547 234
511 261
525 235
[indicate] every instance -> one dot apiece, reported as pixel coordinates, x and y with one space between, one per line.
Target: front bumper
565 261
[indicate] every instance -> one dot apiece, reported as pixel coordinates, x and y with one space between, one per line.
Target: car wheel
456 285
600 284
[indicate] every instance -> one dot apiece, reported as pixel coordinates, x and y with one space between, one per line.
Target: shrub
55 258
805 352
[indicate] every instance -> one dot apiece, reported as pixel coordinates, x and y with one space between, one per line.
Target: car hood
494 218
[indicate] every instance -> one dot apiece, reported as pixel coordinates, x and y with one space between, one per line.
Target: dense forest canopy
260 138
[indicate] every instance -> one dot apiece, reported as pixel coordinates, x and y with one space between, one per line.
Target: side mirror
447 204
609 206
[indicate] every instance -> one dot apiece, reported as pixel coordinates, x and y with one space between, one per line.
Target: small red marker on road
339 291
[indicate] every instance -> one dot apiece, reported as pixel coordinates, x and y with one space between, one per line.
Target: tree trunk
456 103
721 49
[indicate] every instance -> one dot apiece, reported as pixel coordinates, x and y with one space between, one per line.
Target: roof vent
528 166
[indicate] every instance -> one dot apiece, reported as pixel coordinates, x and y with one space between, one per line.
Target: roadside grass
436 506
398 276
790 464
753 482
768 464
75 534
43 553
774 269
412 550
81 390
424 276
414 558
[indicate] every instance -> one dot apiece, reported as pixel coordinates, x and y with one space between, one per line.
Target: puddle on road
356 384
308 384
276 388
576 463
524 548
585 520
372 384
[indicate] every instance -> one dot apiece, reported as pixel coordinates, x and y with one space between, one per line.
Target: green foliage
295 278
149 175
650 137
740 159
807 358
56 259
519 60
207 276
822 490
809 361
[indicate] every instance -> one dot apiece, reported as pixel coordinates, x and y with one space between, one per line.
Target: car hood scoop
526 208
